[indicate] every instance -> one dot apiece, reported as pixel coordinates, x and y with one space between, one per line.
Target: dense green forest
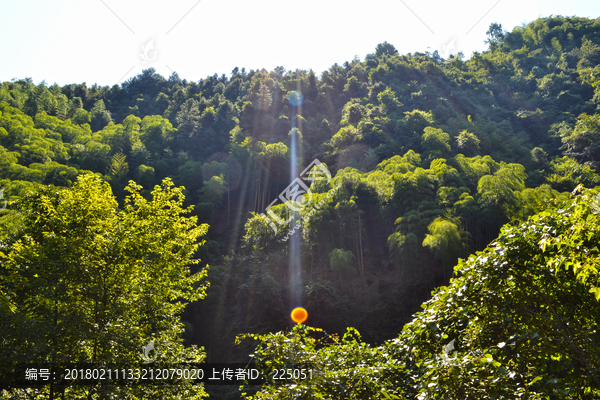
431 160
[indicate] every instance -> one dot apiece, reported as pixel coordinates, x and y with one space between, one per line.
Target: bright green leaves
468 143
520 319
513 296
346 136
156 129
436 142
84 281
122 137
567 173
476 167
535 200
343 368
444 239
82 117
582 140
581 220
501 189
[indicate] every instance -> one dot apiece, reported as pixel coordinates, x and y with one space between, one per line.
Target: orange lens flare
299 315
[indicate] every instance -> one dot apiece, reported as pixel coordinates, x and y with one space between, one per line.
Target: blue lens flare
295 98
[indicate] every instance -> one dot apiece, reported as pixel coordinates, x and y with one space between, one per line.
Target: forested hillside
429 158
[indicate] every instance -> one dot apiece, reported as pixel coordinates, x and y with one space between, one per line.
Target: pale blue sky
100 41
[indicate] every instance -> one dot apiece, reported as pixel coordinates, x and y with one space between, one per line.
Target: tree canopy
84 281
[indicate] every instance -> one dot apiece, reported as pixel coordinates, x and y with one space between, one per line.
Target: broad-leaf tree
84 281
